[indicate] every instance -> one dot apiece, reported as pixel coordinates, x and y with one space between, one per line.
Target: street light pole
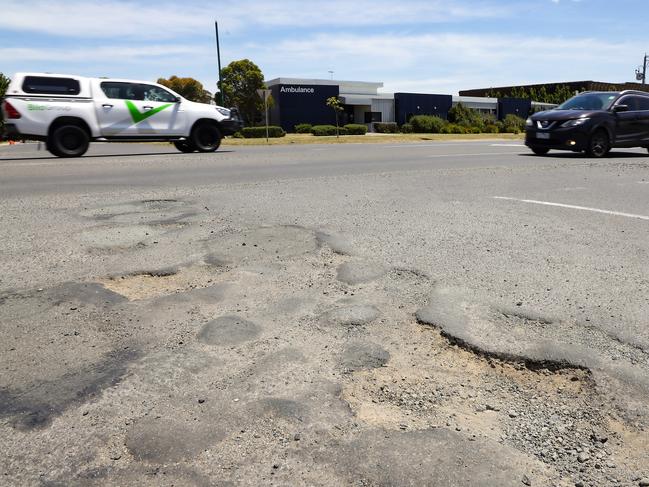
218 56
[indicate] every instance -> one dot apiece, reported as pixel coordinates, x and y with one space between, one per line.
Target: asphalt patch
229 331
265 244
363 355
337 243
36 406
351 315
427 457
360 272
165 440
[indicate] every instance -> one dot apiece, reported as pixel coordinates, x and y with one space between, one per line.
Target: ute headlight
529 123
576 122
223 111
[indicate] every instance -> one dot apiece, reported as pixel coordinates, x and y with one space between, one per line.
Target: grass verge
368 139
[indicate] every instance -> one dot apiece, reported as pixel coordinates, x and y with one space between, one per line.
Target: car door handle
147 107
107 105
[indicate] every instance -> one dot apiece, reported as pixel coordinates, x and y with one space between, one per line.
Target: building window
371 117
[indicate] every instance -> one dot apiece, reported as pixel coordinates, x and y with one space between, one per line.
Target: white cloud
440 62
166 19
448 61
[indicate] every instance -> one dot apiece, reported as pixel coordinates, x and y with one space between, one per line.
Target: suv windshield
589 101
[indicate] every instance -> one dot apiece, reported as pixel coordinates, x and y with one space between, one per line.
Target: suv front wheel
599 144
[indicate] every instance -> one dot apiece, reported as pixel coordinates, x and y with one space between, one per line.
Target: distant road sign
263 94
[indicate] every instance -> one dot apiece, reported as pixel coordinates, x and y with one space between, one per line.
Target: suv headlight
223 111
576 122
529 123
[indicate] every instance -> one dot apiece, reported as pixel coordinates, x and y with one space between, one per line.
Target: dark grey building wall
514 106
302 104
408 104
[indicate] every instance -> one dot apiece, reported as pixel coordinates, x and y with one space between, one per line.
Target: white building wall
386 107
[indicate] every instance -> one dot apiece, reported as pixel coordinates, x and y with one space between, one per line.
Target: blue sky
433 46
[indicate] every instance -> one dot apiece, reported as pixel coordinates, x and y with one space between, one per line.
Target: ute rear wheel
68 141
184 146
540 151
205 137
599 144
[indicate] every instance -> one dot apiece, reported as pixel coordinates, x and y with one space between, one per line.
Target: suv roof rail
634 92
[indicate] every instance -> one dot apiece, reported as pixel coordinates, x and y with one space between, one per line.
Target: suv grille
545 124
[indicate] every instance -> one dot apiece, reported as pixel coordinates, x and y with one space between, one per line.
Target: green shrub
513 124
465 116
324 130
355 129
491 129
427 124
303 128
260 132
237 135
454 128
407 128
385 127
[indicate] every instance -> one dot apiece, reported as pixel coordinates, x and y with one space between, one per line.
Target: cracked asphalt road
456 313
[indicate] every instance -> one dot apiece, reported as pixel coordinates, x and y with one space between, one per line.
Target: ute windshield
589 101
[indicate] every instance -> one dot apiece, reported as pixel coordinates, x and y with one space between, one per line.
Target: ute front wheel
184 146
540 151
206 137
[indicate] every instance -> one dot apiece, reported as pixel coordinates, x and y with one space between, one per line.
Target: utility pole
218 56
641 72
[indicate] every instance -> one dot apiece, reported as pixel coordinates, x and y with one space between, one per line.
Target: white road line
574 207
417 145
643 182
507 145
476 154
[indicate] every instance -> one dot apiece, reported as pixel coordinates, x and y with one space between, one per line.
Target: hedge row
303 128
430 124
349 129
386 127
260 132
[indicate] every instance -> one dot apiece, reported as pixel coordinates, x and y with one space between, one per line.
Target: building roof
587 85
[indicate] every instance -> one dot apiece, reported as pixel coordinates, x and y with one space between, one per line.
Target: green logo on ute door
138 116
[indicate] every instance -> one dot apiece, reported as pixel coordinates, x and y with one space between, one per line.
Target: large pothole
162 282
555 415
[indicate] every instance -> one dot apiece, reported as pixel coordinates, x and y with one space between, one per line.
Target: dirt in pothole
145 285
556 416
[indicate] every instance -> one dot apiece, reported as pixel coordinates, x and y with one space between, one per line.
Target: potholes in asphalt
279 353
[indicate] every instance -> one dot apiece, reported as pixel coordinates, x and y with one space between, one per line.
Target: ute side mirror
177 99
621 108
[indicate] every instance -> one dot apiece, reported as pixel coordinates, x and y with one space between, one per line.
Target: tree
187 87
240 81
4 84
335 103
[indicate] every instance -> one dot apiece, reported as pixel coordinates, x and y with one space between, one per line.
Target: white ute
68 112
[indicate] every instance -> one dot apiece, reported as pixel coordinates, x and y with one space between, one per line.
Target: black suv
593 121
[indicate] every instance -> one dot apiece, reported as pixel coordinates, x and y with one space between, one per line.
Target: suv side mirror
621 108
